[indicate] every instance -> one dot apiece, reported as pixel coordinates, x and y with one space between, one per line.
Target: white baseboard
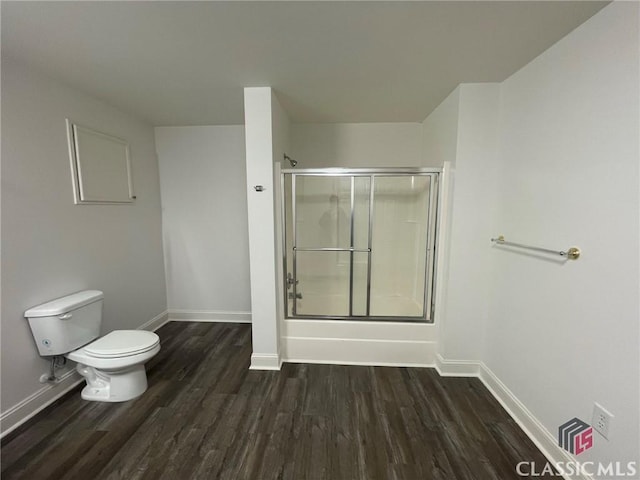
49 393
457 368
38 401
156 322
208 316
538 434
529 424
265 361
342 351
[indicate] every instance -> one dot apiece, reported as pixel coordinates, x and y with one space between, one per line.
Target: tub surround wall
51 247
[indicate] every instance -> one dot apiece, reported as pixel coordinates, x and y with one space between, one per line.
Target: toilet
113 365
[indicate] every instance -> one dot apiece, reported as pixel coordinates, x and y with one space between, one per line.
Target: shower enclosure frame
432 234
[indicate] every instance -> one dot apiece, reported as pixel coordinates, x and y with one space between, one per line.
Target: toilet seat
122 343
113 363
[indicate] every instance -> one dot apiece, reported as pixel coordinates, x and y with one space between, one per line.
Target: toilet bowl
113 365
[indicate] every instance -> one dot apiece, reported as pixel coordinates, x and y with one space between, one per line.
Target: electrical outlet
601 420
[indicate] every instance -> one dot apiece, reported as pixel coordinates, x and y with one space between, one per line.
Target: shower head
291 160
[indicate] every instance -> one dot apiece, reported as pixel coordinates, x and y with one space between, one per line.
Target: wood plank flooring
207 416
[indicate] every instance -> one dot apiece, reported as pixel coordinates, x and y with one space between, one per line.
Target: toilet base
113 386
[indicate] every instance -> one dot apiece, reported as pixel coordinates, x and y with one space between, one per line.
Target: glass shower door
399 244
359 245
330 226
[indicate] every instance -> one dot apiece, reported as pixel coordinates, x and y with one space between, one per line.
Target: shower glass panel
399 243
359 244
360 283
324 278
362 200
323 212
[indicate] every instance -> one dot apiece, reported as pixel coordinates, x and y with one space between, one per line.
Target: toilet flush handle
65 316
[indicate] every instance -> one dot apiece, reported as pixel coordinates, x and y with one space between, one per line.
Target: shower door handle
291 281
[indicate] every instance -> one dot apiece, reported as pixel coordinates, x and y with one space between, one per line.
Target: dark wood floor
206 416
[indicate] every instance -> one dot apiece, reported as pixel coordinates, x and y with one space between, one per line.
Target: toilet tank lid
64 304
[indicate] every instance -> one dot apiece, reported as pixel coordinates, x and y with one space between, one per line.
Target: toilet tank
65 324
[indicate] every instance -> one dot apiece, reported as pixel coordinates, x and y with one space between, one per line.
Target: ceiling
185 63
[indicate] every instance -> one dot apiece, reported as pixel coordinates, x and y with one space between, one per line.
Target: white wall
439 144
563 335
51 247
204 216
281 144
260 146
439 132
550 158
356 145
471 218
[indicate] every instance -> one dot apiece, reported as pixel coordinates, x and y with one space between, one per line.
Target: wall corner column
259 160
